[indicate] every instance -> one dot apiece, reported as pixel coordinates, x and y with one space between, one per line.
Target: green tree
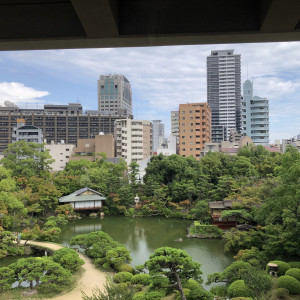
175 264
27 159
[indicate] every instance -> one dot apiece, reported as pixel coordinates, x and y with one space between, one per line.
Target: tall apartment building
194 128
133 139
114 94
158 134
175 123
224 92
255 115
57 122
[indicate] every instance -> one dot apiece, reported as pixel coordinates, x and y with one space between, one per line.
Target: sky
161 78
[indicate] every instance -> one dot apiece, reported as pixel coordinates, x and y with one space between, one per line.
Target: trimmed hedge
125 268
294 273
200 294
238 289
282 266
122 277
290 283
144 279
294 264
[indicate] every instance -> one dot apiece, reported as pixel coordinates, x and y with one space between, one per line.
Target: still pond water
142 236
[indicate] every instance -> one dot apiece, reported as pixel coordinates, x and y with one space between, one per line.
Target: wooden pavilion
84 199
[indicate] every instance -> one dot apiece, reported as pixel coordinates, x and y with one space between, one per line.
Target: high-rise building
133 139
255 115
224 92
57 122
114 94
194 128
158 134
175 123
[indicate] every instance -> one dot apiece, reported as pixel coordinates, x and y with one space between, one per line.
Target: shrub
125 268
219 290
122 277
185 291
144 279
160 282
294 264
191 284
289 283
68 259
139 296
282 293
154 295
294 273
238 289
282 266
200 294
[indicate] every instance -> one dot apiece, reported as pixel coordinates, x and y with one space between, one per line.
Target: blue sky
161 78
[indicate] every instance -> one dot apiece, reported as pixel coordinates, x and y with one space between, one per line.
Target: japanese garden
216 228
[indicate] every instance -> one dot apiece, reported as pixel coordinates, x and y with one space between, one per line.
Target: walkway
91 277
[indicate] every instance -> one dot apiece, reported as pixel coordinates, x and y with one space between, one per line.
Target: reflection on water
142 236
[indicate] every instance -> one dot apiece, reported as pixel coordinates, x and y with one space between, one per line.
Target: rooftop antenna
247 70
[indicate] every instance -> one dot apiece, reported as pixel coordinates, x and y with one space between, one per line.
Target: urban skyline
156 75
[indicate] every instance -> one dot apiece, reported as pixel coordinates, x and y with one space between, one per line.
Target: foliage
282 266
143 279
238 289
176 264
282 293
294 273
7 278
219 290
27 159
200 294
68 259
125 268
202 229
122 277
237 240
289 283
253 256
294 264
106 253
112 291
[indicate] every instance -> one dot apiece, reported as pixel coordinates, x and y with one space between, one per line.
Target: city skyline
161 78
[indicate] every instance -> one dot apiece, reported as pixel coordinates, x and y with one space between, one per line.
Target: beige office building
90 148
194 128
133 139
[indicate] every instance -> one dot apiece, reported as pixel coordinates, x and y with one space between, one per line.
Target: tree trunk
180 286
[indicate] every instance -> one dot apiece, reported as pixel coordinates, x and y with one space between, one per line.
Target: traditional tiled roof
77 196
220 204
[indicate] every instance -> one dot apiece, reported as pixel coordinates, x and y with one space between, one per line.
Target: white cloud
19 93
163 77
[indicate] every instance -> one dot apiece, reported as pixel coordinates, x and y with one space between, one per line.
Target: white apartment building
27 133
61 153
255 116
133 139
224 92
114 94
171 146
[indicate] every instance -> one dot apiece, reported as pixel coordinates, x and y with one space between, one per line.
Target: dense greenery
264 188
106 253
50 275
